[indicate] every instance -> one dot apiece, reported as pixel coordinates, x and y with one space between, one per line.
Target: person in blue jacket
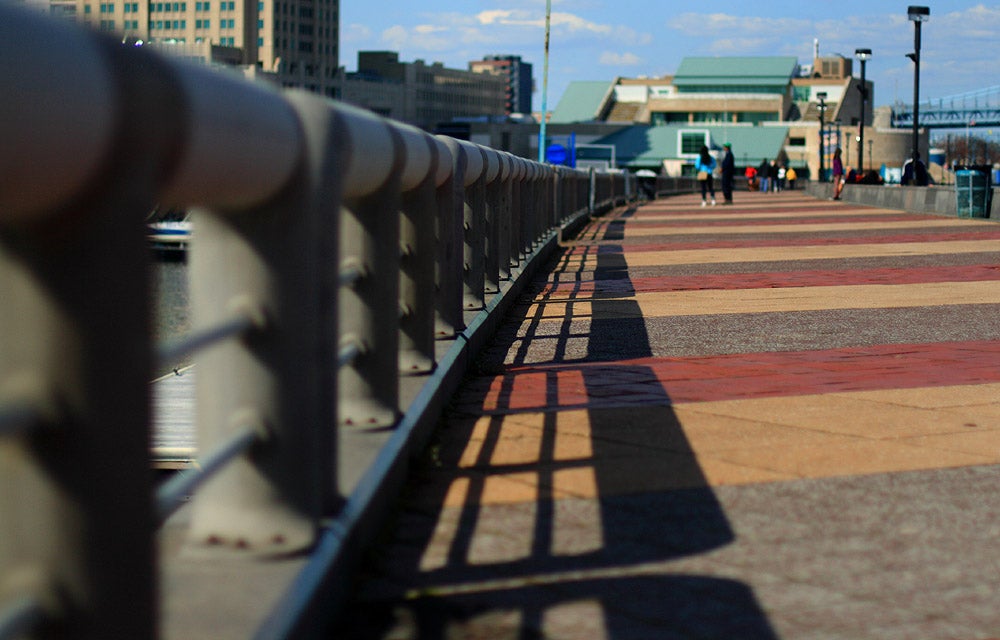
704 166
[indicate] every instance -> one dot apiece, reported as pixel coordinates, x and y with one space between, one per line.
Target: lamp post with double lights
821 96
917 15
863 55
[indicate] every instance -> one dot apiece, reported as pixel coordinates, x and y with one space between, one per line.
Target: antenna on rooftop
815 48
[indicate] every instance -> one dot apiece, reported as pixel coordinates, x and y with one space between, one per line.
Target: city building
293 41
743 100
421 94
517 76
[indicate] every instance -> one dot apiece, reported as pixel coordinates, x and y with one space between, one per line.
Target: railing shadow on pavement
460 551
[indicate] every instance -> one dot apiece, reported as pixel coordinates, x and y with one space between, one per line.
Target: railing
344 269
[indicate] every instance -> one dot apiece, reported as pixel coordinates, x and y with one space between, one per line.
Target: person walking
762 173
838 174
728 173
791 176
772 176
704 166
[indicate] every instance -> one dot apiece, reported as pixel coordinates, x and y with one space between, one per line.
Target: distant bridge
980 108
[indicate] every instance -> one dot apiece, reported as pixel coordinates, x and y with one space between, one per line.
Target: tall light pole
545 83
821 96
917 15
862 55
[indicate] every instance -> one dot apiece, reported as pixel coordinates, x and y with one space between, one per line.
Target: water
171 307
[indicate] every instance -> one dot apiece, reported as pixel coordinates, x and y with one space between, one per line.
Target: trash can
972 193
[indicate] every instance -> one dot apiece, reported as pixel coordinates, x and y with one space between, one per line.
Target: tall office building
296 40
517 75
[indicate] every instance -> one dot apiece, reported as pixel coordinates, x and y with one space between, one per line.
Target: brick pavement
779 419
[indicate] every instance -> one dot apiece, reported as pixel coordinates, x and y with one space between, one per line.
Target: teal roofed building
754 74
671 149
767 106
583 102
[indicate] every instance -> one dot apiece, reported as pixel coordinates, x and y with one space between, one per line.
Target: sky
605 39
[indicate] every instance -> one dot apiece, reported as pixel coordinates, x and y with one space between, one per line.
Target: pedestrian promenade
778 419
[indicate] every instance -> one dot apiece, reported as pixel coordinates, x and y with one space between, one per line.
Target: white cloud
614 59
355 33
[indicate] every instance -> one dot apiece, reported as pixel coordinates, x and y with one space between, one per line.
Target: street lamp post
821 96
918 15
862 55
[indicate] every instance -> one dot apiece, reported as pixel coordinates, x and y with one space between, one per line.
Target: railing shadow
573 522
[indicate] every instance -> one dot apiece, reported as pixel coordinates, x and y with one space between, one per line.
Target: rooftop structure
422 94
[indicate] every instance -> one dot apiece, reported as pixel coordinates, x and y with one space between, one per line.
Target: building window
691 142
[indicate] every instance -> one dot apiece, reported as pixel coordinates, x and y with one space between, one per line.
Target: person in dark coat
762 173
915 173
728 173
772 176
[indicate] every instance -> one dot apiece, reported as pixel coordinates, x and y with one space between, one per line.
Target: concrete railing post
277 263
517 210
492 220
417 249
474 297
450 229
505 180
76 518
369 309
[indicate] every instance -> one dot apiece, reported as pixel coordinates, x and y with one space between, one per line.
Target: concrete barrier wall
938 200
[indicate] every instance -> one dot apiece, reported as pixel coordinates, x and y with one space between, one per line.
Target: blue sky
603 39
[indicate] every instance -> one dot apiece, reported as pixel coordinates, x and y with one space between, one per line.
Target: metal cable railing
300 269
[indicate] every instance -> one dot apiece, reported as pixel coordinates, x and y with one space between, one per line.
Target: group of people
770 176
